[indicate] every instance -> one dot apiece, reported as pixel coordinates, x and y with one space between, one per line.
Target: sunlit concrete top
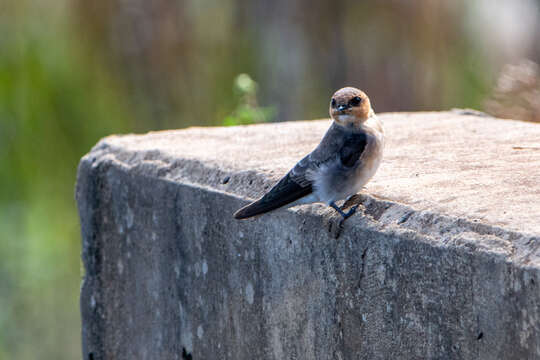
456 163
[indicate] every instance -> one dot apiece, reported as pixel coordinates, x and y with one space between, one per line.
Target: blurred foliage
55 103
74 71
517 93
247 111
181 57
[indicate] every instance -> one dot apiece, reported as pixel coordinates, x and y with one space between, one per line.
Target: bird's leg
345 215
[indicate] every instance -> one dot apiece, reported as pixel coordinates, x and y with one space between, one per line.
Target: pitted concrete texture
442 263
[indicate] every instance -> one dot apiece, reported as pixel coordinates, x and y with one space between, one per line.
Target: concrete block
441 263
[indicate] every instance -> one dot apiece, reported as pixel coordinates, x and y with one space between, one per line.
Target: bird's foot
344 215
338 227
350 212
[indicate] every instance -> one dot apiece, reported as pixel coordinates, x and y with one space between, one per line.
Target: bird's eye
333 103
355 101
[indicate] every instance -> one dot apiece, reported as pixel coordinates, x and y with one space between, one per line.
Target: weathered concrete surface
443 264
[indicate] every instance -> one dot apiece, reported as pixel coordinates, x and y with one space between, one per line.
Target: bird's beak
342 108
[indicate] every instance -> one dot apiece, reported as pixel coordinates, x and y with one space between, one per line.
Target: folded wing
353 147
284 192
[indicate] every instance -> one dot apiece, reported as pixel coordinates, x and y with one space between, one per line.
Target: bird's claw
344 215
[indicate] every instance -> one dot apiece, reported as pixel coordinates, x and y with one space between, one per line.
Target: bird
347 157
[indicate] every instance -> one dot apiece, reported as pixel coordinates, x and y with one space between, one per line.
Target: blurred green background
74 71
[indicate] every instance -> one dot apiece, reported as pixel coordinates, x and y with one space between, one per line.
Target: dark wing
352 149
329 146
283 193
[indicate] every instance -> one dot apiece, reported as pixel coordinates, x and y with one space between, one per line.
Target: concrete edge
383 215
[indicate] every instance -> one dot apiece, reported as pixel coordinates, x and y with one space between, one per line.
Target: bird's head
350 107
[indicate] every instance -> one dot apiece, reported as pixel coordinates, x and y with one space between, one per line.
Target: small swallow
344 161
